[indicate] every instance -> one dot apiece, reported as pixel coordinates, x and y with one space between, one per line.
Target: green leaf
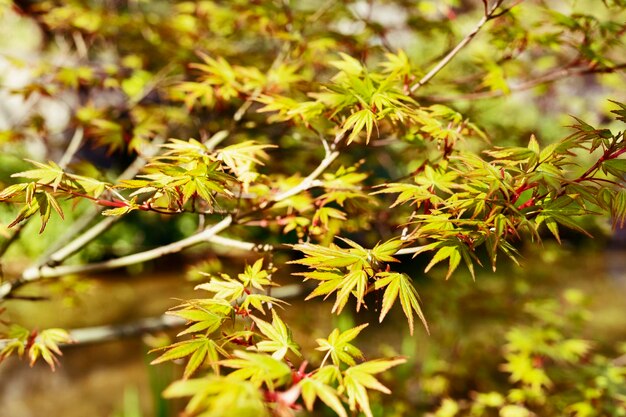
533 145
13 191
399 284
616 167
329 257
280 337
313 388
239 156
339 347
397 64
258 368
257 301
383 252
330 281
207 317
348 64
51 174
25 212
514 411
357 379
201 349
119 211
362 119
15 342
354 282
219 396
225 288
255 276
446 252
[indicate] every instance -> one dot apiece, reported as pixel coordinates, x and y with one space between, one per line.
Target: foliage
550 371
268 363
44 344
310 128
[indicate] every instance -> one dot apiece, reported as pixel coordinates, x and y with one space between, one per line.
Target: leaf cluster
263 376
358 271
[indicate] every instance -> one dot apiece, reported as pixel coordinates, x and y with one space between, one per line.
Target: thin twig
69 153
36 273
33 274
72 148
81 241
309 182
467 39
65 247
321 10
280 57
409 251
549 77
239 244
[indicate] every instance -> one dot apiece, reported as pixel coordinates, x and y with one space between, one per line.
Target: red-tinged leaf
55 205
14 190
25 212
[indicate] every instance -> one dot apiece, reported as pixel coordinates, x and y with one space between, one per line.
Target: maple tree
337 144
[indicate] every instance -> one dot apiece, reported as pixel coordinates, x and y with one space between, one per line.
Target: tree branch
305 184
39 272
81 241
32 274
64 247
468 38
99 334
239 244
72 148
549 77
408 251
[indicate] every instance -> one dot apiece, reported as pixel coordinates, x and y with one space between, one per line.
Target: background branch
99 334
72 148
468 38
305 184
549 77
32 274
